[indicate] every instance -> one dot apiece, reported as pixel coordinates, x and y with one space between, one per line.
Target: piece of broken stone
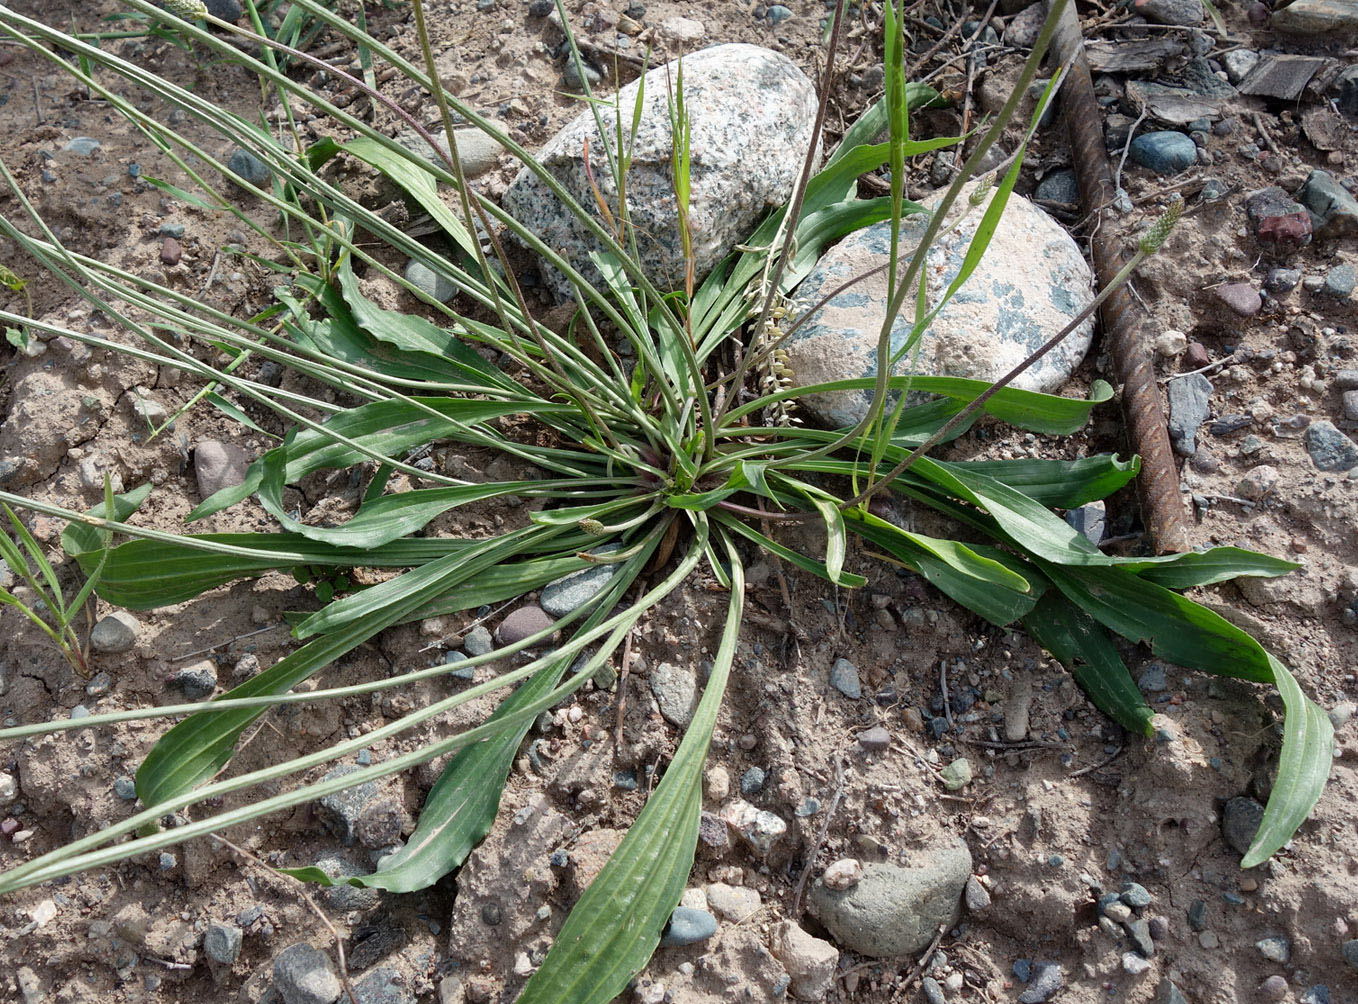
219 465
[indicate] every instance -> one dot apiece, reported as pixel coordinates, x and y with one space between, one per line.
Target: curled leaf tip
1160 230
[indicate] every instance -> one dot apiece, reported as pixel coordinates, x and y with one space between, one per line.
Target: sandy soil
1079 805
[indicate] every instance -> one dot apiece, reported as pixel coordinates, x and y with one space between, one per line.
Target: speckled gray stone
430 283
1240 819
222 943
1031 283
302 975
342 896
197 680
894 911
219 465
1189 405
115 633
1330 449
751 112
477 151
574 591
844 678
676 691
340 810
688 926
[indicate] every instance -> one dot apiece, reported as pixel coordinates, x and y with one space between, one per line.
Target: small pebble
688 927
246 166
844 678
752 782
1164 152
875 739
1275 986
1047 978
81 146
1274 948
957 775
1135 895
843 874
170 252
977 896
933 993
1135 964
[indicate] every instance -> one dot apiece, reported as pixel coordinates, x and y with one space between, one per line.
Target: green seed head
981 190
189 10
1160 230
592 526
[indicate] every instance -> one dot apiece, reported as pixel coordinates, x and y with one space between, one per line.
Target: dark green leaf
1082 645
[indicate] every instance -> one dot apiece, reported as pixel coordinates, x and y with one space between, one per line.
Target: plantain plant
658 428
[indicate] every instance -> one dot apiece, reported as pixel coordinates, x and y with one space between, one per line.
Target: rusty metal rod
1124 324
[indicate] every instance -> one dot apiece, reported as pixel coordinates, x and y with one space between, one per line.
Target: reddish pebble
9 827
1196 357
523 622
170 252
1258 13
1292 230
1240 297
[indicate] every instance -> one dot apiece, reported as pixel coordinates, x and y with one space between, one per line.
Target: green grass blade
144 574
427 581
1082 645
1026 409
372 431
196 748
615 927
1060 484
1183 632
1203 568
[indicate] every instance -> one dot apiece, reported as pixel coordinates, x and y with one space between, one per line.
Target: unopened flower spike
981 190
189 10
1160 230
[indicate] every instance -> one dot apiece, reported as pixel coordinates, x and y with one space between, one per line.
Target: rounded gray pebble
1135 895
1350 952
844 678
688 927
246 166
933 992
429 282
302 975
115 633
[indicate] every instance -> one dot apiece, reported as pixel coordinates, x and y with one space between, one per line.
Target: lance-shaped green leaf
1303 768
1189 634
615 927
978 577
462 803
384 428
199 746
1082 645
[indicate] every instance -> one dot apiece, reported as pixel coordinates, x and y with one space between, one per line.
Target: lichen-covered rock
750 111
1031 283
